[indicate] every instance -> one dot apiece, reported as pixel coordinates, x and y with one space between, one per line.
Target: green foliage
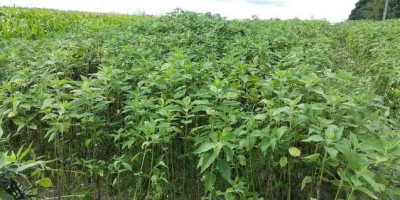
373 10
12 167
193 106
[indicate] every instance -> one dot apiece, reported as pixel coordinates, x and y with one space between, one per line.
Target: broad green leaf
23 167
3 159
47 102
307 179
211 111
200 102
214 137
225 169
312 157
186 101
203 148
285 109
356 181
229 196
352 160
179 94
283 161
12 114
353 139
338 133
281 131
295 152
32 126
314 138
207 162
203 157
228 136
331 151
351 197
194 129
343 145
367 192
257 133
229 153
45 182
88 141
264 145
342 174
12 157
242 159
368 176
231 95
273 143
5 196
186 121
200 108
210 179
127 166
248 142
260 117
330 133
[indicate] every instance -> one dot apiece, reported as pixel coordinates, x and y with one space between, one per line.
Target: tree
373 10
357 12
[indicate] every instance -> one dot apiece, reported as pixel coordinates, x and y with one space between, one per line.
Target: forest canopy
373 10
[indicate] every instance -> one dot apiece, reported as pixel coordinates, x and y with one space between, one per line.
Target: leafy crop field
193 106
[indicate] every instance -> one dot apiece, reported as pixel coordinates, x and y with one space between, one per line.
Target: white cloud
279 3
332 10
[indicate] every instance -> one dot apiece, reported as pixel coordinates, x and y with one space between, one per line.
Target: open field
193 106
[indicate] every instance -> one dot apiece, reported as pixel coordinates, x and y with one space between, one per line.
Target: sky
331 10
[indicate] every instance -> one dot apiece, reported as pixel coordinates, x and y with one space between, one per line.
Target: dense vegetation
191 106
373 10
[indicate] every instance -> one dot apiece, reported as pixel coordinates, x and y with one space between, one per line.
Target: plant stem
338 191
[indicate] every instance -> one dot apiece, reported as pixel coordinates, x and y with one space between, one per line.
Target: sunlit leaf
283 161
306 180
295 152
314 138
45 182
203 148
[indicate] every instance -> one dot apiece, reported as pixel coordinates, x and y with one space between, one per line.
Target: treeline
373 10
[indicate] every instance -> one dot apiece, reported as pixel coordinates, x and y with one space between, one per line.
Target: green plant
13 167
194 106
